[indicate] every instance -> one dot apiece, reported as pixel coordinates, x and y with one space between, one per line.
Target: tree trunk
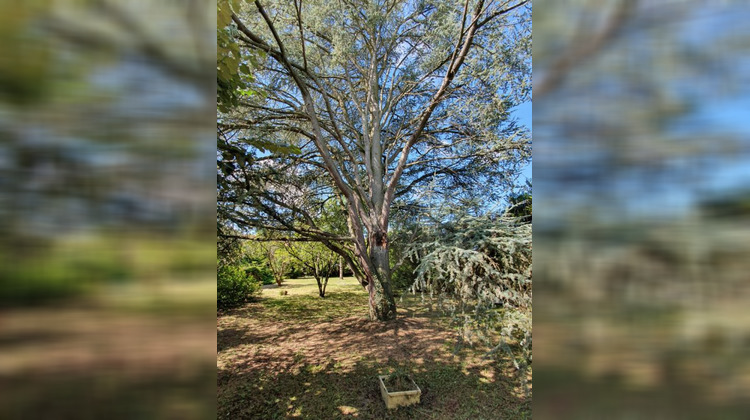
321 286
374 268
382 303
341 268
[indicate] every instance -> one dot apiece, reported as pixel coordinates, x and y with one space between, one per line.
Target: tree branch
559 70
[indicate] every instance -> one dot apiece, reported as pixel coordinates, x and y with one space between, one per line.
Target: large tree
390 103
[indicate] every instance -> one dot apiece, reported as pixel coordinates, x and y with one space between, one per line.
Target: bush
476 265
234 287
296 270
403 276
31 284
260 272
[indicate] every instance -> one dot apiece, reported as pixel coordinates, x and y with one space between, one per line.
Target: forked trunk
322 286
322 280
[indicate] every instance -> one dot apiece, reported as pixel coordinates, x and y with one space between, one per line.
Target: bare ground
323 362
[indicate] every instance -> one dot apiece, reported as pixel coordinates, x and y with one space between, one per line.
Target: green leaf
232 62
224 16
224 71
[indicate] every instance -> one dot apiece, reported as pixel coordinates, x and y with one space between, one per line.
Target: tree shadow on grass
227 338
342 339
330 391
306 357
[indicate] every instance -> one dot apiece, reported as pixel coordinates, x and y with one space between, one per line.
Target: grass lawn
300 356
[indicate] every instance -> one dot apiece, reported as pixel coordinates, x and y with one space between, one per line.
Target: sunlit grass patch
344 298
302 308
307 286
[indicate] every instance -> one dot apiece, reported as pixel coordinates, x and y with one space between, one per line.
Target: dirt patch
288 367
398 383
251 344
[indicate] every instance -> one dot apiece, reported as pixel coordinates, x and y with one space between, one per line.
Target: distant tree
278 259
317 258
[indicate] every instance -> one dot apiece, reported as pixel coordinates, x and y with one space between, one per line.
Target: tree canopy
373 106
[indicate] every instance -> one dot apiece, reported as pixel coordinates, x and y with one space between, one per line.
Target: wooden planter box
399 398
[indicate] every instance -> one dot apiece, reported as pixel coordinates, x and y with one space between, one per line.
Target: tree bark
321 286
382 303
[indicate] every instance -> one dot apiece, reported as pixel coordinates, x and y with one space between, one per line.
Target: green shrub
403 276
260 272
296 270
30 284
234 287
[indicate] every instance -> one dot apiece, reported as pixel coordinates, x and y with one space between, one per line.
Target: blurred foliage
84 265
157 396
727 206
637 119
106 208
101 129
24 72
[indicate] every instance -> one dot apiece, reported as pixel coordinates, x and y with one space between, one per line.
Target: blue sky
523 113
